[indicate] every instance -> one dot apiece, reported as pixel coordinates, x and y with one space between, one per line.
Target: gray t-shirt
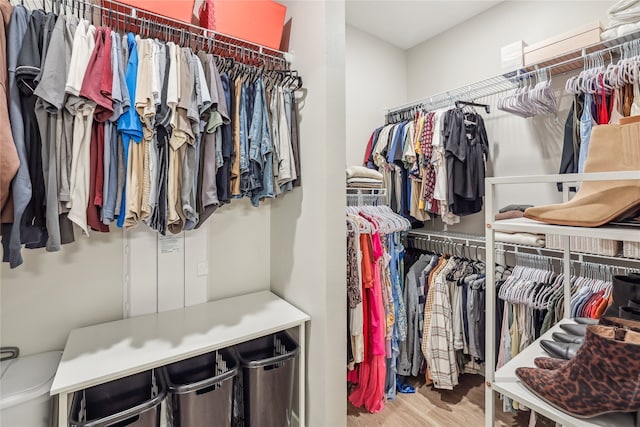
110 158
49 112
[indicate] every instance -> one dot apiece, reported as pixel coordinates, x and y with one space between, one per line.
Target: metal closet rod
498 84
462 240
158 24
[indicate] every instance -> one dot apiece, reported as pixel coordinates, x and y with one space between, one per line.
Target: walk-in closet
488 124
172 181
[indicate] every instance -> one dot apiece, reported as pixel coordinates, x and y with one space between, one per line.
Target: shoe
599 202
568 338
404 388
623 290
604 376
560 350
630 324
621 322
573 329
549 363
585 321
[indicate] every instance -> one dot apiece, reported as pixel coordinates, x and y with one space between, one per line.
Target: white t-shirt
440 163
83 45
173 88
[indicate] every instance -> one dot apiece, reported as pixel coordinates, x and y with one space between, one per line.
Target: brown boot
549 363
604 376
618 322
611 148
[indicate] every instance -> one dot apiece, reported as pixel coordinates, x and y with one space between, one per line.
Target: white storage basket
631 249
589 245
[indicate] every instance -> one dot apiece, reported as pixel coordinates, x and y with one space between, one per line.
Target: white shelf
507 383
101 353
526 225
504 380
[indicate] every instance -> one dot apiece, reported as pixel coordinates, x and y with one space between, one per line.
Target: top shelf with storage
565 63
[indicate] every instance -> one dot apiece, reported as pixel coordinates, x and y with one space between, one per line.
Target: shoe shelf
506 382
504 379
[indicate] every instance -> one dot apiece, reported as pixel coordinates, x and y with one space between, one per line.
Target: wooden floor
428 407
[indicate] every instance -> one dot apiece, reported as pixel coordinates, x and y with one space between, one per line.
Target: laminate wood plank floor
429 407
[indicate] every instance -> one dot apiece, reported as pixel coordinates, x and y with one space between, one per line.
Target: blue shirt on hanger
129 124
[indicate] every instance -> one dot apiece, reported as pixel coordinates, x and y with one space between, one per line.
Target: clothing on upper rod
434 163
127 129
602 93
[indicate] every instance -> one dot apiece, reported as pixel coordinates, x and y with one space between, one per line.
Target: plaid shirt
441 357
429 177
428 306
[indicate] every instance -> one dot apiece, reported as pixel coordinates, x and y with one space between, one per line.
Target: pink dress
372 373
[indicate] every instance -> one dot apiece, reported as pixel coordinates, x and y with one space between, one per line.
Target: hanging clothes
435 163
21 191
376 312
9 160
127 129
466 148
586 124
533 302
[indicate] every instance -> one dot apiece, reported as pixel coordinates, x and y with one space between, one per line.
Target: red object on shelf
256 21
181 10
206 14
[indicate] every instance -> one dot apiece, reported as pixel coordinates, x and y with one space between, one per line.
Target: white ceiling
408 23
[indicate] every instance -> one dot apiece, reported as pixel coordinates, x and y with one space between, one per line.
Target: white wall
376 78
238 245
52 293
470 52
307 227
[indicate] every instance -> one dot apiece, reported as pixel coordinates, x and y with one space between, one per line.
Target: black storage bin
131 401
268 367
200 390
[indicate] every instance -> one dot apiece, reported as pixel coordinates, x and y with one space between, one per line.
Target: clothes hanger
365 227
486 107
392 220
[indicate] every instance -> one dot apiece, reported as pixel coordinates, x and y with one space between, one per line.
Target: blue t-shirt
129 124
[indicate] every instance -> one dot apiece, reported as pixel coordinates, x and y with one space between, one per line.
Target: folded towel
364 181
521 238
362 172
509 215
624 19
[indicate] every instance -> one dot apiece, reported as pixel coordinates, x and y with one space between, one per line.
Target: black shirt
467 147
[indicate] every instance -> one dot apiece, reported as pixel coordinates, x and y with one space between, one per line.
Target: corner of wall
307 228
